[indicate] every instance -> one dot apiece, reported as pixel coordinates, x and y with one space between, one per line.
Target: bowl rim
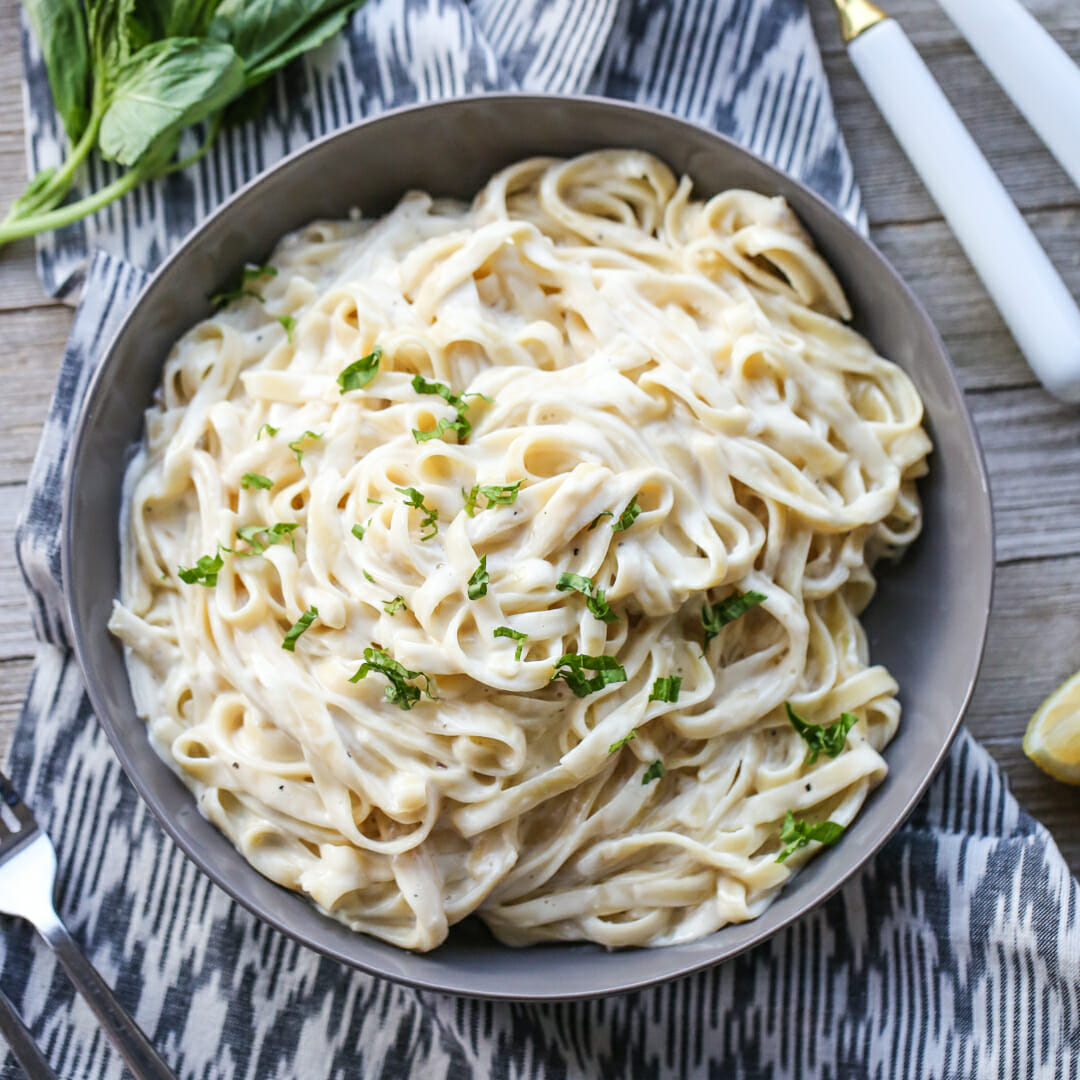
983 542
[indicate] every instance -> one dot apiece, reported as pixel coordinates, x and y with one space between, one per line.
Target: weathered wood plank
16 633
14 679
32 348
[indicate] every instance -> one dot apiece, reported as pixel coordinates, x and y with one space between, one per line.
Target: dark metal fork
27 878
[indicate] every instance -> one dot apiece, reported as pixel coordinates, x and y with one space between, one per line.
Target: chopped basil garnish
596 520
298 627
414 499
653 772
251 273
360 372
796 834
368 576
391 607
818 737
256 480
289 323
294 446
608 670
204 572
399 692
627 517
478 583
377 502
666 688
714 617
260 537
269 429
358 531
620 743
517 635
594 597
460 424
496 495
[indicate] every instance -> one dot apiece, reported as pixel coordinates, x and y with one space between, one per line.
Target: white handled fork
27 878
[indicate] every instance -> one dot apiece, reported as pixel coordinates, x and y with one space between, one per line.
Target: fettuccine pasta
507 559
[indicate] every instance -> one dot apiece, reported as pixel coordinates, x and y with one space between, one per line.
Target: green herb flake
269 429
298 627
289 323
414 499
251 273
796 834
399 692
517 635
595 599
358 531
714 617
392 607
627 517
818 737
608 670
368 576
360 372
204 572
377 502
294 446
666 688
256 480
596 520
495 494
460 424
653 772
478 583
260 537
620 743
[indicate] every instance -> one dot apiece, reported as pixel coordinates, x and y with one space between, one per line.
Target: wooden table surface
1032 443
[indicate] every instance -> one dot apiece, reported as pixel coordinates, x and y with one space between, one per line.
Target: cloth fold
954 953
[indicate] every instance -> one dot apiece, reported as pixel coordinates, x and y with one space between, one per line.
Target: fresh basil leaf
391 607
666 688
714 617
796 834
478 583
627 517
608 670
831 738
60 29
261 537
294 446
620 743
596 520
460 425
423 386
399 692
162 89
500 494
517 635
595 599
269 429
174 18
653 772
414 499
360 372
204 572
256 480
108 31
298 627
358 531
310 37
368 576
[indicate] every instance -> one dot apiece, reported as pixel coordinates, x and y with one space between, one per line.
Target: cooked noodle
677 367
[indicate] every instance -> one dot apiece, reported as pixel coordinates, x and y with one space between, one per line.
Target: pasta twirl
561 500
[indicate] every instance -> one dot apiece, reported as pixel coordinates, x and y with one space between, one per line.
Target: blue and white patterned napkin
955 953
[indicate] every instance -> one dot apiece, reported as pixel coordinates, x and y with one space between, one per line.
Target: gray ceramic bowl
926 624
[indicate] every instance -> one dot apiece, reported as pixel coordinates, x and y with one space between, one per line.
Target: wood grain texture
1031 443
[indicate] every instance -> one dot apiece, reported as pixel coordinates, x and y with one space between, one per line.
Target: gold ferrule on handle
857 16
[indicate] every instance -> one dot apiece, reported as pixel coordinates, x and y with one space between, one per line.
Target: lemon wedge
1052 739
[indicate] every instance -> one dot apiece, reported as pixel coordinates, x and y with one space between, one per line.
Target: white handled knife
1021 280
